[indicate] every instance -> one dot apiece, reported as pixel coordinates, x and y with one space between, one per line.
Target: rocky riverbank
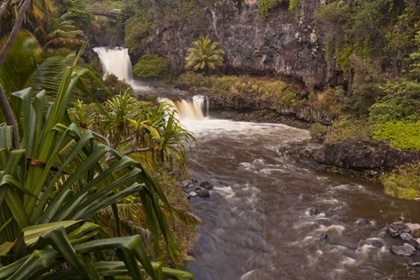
366 159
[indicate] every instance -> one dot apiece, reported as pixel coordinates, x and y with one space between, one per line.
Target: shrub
318 132
347 128
150 66
266 5
400 135
401 102
403 182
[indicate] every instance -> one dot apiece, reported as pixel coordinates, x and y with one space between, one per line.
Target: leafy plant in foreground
55 183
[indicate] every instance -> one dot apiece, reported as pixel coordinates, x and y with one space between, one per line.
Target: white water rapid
117 61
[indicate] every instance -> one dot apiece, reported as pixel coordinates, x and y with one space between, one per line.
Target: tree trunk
4 103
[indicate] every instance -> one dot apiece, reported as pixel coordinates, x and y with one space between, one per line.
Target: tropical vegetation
204 54
74 205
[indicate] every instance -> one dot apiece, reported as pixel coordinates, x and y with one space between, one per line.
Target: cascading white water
117 61
187 110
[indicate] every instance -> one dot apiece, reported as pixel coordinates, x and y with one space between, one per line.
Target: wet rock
206 185
414 264
396 228
204 193
406 236
184 183
406 250
191 188
364 222
323 237
413 227
377 244
193 194
413 242
314 211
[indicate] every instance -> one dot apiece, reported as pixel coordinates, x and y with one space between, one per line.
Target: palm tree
204 55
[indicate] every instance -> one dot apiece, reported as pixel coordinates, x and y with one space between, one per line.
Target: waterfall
188 110
116 61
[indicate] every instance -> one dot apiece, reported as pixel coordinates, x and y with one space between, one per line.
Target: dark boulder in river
397 228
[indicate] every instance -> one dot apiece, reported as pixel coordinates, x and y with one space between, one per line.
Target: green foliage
377 29
77 12
138 28
364 86
342 56
336 12
403 182
318 131
415 56
131 127
266 5
57 179
150 66
294 6
347 128
401 102
204 54
400 135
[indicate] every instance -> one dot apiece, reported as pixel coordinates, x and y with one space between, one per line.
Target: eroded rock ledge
247 108
360 158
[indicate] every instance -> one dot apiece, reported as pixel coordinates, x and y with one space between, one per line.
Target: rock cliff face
285 43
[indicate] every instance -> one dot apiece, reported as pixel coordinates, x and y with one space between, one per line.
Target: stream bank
361 158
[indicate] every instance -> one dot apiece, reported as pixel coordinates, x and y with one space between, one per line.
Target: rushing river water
258 223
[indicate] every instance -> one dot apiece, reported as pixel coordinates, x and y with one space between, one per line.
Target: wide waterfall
117 61
189 110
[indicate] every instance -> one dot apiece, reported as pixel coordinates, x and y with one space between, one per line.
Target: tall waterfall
189 110
116 61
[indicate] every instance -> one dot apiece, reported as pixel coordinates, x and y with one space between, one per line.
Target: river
258 222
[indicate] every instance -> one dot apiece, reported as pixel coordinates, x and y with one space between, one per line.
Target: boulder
184 183
193 194
377 244
413 227
323 237
206 185
396 228
314 211
203 193
406 250
363 222
406 236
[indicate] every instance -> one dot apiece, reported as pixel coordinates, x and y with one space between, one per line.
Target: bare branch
103 138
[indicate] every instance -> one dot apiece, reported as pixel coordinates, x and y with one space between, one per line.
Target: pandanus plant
53 186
